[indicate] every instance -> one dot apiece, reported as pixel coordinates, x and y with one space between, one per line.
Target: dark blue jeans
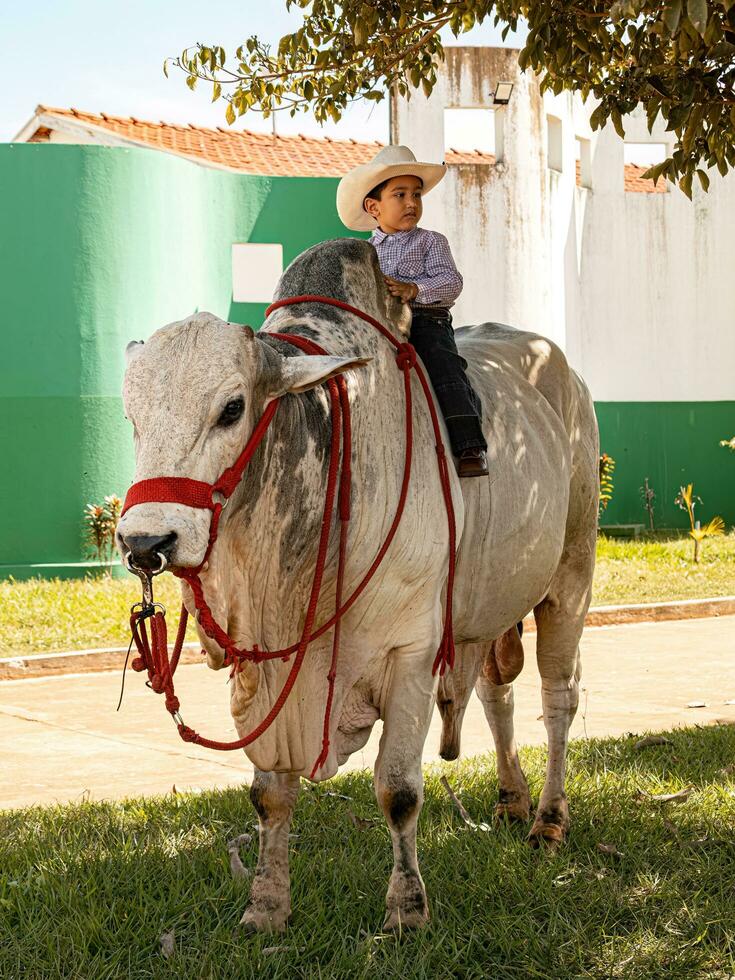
433 337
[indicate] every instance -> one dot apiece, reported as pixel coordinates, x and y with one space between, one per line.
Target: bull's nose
145 549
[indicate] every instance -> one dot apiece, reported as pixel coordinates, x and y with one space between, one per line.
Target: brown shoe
472 462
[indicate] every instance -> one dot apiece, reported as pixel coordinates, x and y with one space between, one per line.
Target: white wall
638 288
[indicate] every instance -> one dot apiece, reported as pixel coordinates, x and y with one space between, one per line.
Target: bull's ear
133 349
302 373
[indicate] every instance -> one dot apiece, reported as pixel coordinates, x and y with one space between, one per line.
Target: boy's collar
378 234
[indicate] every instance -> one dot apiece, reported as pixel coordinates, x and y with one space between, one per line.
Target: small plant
607 467
649 495
687 500
100 524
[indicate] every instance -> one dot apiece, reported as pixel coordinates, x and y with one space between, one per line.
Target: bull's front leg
273 794
406 714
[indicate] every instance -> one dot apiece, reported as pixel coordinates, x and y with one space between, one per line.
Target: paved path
62 739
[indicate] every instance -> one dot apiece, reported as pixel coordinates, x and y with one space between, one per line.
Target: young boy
385 196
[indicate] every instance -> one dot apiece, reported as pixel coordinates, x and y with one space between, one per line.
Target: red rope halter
153 652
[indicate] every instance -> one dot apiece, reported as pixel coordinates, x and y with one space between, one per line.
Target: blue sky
106 57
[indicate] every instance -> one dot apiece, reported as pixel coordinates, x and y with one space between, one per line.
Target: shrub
607 467
687 500
100 524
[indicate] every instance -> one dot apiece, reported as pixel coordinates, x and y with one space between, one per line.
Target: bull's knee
400 804
271 800
258 796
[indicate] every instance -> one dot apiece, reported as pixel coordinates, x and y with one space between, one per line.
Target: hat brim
357 184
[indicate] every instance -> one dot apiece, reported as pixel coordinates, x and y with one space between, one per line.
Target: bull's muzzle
149 552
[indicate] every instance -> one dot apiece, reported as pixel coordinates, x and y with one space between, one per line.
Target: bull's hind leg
406 712
273 795
560 669
559 624
514 799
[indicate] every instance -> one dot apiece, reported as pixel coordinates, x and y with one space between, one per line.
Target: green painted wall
99 246
671 443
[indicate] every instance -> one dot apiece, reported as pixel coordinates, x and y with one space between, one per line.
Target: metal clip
225 500
146 577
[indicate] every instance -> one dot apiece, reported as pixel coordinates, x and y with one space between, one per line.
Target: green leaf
653 173
659 85
216 91
697 12
230 114
686 185
598 116
191 81
672 15
652 111
703 180
165 67
692 130
617 122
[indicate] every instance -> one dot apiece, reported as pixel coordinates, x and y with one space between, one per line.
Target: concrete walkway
63 740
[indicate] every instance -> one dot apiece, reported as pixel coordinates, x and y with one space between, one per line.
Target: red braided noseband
153 654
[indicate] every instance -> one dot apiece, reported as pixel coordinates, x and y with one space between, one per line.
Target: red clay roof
263 153
633 182
243 150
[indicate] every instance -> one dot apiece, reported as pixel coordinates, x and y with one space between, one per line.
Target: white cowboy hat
391 161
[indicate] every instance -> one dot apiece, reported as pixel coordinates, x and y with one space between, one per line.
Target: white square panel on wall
256 268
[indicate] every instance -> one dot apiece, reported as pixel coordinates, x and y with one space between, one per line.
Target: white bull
527 542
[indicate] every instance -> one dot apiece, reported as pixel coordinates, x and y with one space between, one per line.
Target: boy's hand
404 291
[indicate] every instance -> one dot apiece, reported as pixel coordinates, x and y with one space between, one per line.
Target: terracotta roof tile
259 153
633 180
635 183
244 150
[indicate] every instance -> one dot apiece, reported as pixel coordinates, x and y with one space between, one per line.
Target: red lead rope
153 654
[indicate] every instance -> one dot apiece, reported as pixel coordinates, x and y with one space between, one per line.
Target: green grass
661 568
87 890
42 615
74 614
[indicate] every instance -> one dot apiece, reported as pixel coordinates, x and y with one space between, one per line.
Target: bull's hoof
550 827
513 811
548 835
514 805
262 920
406 903
397 919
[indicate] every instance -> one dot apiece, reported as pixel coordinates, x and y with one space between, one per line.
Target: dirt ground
64 740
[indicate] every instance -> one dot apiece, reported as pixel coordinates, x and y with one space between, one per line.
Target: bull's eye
231 413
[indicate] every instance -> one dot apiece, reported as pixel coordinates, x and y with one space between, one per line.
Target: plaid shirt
423 257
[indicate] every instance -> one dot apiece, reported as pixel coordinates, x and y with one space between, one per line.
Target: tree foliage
676 59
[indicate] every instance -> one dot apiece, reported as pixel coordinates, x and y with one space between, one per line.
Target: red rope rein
153 654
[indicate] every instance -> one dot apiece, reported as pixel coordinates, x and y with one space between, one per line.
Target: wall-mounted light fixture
502 93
